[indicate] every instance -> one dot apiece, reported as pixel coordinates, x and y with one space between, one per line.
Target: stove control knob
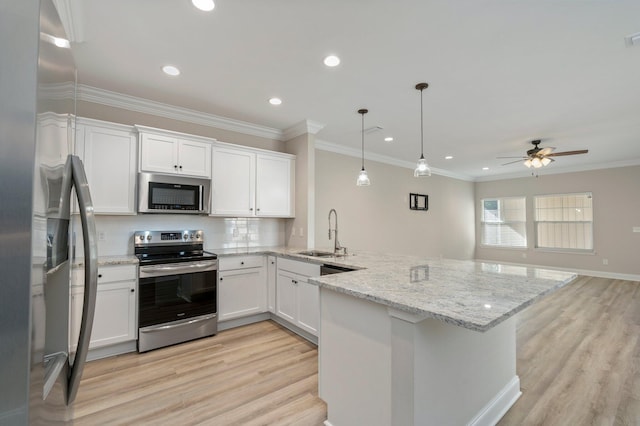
192 236
198 235
141 237
148 237
185 236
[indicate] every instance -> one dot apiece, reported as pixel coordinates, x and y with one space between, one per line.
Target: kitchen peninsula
410 341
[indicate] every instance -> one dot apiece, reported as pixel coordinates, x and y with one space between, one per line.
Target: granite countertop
471 294
109 261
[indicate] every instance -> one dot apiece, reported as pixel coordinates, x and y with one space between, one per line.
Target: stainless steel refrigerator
39 376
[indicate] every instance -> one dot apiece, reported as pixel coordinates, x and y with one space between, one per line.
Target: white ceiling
501 73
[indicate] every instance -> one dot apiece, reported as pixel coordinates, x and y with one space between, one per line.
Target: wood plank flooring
260 374
578 358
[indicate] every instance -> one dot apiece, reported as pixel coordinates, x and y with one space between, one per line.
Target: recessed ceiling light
332 61
448 157
388 139
204 5
485 168
171 70
275 101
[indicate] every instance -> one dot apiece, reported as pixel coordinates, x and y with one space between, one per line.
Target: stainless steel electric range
177 288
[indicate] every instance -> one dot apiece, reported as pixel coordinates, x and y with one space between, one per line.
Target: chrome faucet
336 244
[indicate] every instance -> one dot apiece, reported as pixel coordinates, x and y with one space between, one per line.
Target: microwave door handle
87 219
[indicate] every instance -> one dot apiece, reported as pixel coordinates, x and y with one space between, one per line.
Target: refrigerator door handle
87 218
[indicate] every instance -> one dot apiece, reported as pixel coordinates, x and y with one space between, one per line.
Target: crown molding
132 103
556 171
302 128
57 91
70 13
351 152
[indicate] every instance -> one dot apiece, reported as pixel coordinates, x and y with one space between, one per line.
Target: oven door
177 291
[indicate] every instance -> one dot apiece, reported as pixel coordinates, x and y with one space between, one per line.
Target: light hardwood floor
260 374
578 358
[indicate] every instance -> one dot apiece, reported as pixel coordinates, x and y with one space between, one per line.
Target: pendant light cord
362 141
421 127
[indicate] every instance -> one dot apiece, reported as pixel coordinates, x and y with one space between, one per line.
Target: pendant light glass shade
422 168
363 178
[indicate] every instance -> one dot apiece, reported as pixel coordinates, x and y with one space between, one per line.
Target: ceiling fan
538 157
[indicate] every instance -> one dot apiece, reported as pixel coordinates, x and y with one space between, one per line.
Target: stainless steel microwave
158 193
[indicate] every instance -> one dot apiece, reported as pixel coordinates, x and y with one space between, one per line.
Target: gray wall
616 210
377 217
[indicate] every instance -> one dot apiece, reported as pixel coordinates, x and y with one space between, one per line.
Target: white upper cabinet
274 183
233 182
174 153
108 152
251 183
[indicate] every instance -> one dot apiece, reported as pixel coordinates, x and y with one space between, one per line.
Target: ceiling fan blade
546 151
513 162
559 154
524 158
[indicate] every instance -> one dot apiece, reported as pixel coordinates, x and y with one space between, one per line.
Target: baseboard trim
327 423
300 332
499 405
112 350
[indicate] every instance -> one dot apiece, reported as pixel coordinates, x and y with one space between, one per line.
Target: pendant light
363 178
422 169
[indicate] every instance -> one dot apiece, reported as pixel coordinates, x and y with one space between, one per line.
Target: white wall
616 210
378 218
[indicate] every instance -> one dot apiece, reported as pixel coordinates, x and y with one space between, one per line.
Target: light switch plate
636 229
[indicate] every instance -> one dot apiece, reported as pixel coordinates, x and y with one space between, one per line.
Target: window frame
588 251
523 222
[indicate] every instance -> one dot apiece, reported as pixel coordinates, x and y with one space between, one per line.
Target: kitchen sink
316 253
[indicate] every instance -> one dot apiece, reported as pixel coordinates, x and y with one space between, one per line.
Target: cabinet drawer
108 274
240 262
297 267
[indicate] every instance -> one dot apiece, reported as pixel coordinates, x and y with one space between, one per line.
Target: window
564 221
504 222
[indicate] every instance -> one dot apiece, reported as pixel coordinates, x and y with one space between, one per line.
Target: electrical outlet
605 261
524 255
101 236
636 229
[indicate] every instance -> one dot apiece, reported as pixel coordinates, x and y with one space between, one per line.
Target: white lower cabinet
272 276
298 301
242 287
116 308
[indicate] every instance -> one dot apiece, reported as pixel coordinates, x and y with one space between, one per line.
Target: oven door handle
178 268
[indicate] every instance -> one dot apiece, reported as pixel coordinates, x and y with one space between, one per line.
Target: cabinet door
308 307
274 184
194 158
232 183
241 292
272 275
109 157
158 153
114 319
286 297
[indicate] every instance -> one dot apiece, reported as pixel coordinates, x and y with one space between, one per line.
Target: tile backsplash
115 233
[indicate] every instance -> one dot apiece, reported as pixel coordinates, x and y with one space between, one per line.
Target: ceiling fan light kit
422 168
539 157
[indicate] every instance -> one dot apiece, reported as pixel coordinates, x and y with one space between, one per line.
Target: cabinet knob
99 275
175 166
180 167
257 210
242 263
133 290
220 278
250 209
